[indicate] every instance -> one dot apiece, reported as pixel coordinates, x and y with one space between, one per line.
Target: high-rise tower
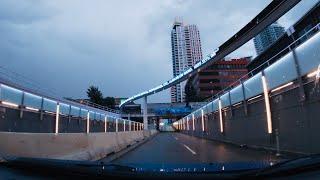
267 37
186 52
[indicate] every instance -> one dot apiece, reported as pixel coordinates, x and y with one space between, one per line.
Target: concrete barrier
68 146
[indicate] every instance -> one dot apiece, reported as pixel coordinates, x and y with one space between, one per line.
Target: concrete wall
298 123
71 146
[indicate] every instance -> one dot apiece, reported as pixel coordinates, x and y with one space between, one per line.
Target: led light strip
202 119
256 97
281 87
105 124
193 122
32 109
9 104
237 104
57 119
187 123
267 103
220 116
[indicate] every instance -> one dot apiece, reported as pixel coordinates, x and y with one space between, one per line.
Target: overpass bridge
275 109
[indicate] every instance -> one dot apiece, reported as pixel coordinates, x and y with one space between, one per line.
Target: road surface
170 147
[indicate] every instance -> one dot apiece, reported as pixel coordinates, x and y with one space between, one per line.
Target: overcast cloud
123 47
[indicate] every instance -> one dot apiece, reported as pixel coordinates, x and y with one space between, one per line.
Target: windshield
132 88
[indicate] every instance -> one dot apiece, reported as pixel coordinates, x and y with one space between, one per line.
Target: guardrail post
187 123
202 120
230 104
116 124
193 122
41 109
145 113
22 105
69 116
105 123
267 103
244 101
57 118
220 116
182 123
88 122
302 95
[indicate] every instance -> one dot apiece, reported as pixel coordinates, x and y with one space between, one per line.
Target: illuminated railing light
236 104
202 119
116 125
220 117
193 122
88 123
188 123
105 124
281 87
256 97
267 103
314 73
225 108
57 119
49 112
10 104
31 109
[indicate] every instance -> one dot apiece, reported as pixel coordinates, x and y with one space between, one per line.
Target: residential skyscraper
186 52
267 37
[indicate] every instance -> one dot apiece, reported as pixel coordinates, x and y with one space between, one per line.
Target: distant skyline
123 47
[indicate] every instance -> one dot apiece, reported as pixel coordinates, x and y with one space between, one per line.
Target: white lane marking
189 149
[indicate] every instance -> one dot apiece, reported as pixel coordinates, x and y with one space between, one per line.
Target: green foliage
109 102
95 96
191 94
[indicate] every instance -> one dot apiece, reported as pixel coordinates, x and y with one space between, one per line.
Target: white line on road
194 153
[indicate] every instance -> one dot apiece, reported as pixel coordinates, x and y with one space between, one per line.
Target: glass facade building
267 37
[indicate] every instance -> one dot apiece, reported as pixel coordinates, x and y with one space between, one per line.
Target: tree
109 102
95 95
191 94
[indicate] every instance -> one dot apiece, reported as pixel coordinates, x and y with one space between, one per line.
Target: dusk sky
123 47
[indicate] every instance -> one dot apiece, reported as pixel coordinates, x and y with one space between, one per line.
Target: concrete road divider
68 146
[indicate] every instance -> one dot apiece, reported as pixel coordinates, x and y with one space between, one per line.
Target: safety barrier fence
25 111
295 70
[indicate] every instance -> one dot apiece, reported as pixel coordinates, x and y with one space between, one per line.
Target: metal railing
91 104
300 61
14 96
267 63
